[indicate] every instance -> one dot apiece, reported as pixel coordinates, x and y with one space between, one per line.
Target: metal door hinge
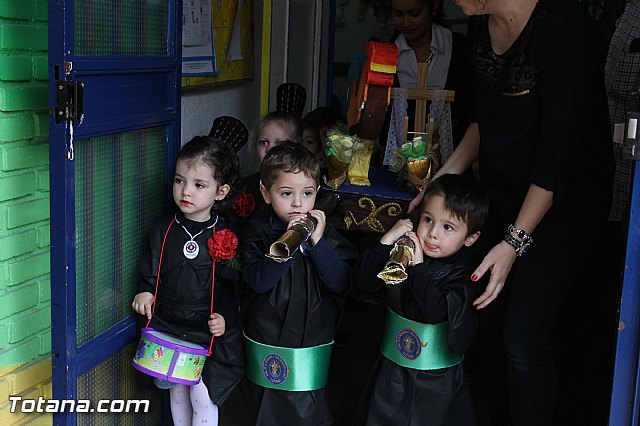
69 101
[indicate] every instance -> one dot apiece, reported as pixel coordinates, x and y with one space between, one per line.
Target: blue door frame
625 396
122 93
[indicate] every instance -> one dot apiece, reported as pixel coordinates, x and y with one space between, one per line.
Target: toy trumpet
285 246
395 270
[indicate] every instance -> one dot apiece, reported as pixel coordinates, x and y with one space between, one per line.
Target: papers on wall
198 53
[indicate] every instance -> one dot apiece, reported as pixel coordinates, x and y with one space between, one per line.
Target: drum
168 358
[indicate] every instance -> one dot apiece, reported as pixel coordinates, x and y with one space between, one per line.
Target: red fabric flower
243 204
223 245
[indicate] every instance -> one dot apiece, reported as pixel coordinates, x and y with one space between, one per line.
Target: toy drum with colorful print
168 358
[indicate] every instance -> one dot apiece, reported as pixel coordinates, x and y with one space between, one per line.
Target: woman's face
412 18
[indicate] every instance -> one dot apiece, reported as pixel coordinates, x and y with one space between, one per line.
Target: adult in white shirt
423 37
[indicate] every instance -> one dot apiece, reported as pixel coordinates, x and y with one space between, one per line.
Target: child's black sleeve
260 273
446 294
366 285
148 265
330 256
226 303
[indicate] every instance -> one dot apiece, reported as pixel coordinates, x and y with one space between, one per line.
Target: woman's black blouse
542 110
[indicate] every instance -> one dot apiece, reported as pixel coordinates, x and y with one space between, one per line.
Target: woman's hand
216 324
142 303
499 261
461 159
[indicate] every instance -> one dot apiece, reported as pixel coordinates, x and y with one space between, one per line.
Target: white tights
191 405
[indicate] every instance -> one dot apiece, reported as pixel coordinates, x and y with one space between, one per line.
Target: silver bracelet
520 246
520 233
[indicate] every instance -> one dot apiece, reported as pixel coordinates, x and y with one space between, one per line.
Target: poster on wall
230 55
198 47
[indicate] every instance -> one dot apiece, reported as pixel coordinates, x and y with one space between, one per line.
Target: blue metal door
114 99
625 397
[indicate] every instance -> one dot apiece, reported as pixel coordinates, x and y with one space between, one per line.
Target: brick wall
25 319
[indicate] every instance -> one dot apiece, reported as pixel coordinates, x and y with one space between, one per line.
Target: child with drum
187 292
291 311
418 377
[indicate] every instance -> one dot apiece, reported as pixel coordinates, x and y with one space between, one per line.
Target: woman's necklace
191 247
428 60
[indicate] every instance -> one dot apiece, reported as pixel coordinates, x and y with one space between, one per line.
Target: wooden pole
421 104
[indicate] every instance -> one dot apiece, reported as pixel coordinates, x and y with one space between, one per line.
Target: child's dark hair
215 154
290 157
293 124
463 196
325 117
312 127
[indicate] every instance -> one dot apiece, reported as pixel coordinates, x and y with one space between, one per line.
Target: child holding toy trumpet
418 376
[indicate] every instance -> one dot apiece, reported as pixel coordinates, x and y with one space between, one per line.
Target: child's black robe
184 295
435 291
297 310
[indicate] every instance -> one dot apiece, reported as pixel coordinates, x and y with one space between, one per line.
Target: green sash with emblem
415 345
290 369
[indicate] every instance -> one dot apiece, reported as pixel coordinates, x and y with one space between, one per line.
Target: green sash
415 345
290 369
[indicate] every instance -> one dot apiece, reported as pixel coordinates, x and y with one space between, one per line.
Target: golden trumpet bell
336 172
419 172
395 270
419 168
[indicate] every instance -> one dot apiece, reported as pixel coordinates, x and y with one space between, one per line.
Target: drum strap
416 345
213 275
289 369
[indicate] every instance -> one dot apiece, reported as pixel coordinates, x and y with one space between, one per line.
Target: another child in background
275 127
418 377
292 307
185 248
311 139
325 119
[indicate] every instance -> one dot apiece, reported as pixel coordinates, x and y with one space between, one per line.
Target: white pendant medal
191 249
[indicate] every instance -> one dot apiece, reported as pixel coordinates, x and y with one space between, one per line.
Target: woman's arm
465 154
500 258
461 159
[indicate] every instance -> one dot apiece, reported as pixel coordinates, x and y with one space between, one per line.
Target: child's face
291 194
441 234
271 135
311 141
195 190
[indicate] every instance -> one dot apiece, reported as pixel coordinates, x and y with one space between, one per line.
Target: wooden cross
421 95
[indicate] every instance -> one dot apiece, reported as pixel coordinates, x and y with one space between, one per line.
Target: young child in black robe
273 129
418 377
292 308
185 249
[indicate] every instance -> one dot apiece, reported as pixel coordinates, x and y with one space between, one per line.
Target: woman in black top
541 140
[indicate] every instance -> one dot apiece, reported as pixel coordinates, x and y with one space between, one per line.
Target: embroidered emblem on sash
441 273
408 343
275 369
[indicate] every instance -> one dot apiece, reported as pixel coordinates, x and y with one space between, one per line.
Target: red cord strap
213 274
